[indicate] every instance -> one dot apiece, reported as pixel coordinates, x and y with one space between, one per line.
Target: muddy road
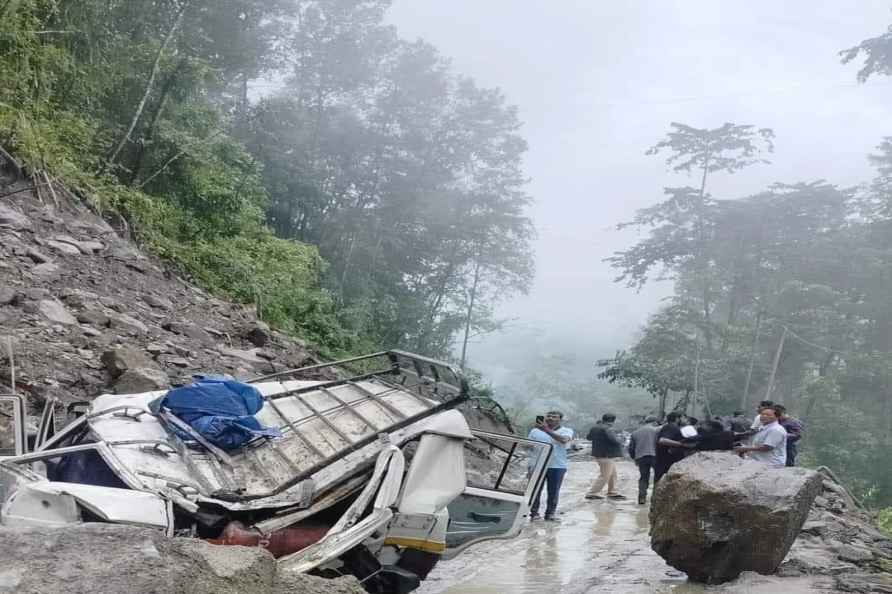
599 546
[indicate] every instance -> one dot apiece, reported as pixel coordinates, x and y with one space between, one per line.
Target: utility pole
777 356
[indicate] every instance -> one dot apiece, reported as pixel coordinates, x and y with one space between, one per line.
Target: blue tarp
221 410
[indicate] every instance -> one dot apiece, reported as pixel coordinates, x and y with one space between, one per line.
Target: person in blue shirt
549 430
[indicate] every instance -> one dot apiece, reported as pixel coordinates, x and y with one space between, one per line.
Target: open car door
503 474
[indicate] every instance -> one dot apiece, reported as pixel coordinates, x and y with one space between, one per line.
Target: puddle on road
598 547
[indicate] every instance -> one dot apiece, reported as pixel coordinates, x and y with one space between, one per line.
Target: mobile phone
540 419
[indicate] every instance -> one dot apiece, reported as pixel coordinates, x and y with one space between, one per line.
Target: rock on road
600 546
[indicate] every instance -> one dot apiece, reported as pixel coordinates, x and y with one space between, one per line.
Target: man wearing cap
643 449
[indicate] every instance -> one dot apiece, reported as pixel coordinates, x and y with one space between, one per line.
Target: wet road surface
599 546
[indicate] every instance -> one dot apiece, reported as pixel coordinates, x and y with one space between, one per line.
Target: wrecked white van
369 476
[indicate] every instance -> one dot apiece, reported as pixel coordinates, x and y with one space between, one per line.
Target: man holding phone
548 430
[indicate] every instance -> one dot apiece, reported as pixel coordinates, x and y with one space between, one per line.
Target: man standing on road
757 422
738 423
670 448
606 446
793 427
770 443
643 450
550 431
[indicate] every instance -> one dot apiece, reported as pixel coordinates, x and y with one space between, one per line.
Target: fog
597 83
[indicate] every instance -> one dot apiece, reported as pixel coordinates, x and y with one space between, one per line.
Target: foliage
392 184
884 520
797 270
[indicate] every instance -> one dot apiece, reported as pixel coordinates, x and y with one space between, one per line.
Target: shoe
535 517
593 496
616 496
642 500
552 519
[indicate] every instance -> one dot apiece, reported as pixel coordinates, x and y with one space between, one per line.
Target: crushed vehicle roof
330 429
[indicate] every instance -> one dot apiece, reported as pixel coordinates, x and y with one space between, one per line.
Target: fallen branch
19 191
52 191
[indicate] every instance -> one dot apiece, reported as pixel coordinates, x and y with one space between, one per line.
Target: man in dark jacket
643 450
670 448
606 446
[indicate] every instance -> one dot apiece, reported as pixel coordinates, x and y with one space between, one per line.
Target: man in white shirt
770 443
549 430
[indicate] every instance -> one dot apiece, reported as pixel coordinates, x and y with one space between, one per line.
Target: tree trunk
156 116
151 82
744 397
470 313
777 356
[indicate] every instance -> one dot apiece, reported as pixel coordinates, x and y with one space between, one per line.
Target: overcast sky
598 82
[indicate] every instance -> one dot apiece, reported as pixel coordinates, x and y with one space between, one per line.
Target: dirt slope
72 288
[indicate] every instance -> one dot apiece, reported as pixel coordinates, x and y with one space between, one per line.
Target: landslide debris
840 540
98 558
75 294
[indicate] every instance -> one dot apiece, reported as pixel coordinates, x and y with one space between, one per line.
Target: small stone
140 379
129 324
246 356
814 527
38 257
86 354
91 332
157 302
156 349
7 295
30 307
137 265
113 305
264 354
65 248
37 294
95 318
854 554
13 219
90 247
46 269
258 334
190 330
178 362
117 361
54 311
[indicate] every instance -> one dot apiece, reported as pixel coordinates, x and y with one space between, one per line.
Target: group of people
771 438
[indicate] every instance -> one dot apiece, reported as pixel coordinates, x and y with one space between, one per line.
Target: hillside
73 288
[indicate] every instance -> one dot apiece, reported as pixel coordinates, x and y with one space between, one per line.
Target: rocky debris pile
715 515
106 558
839 539
88 313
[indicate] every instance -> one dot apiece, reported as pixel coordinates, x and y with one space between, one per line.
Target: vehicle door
504 473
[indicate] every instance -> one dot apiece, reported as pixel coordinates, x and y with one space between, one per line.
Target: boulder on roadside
715 515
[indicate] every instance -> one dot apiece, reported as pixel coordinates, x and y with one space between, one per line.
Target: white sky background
598 82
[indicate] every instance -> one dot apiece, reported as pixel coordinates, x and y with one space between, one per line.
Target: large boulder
99 558
715 515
